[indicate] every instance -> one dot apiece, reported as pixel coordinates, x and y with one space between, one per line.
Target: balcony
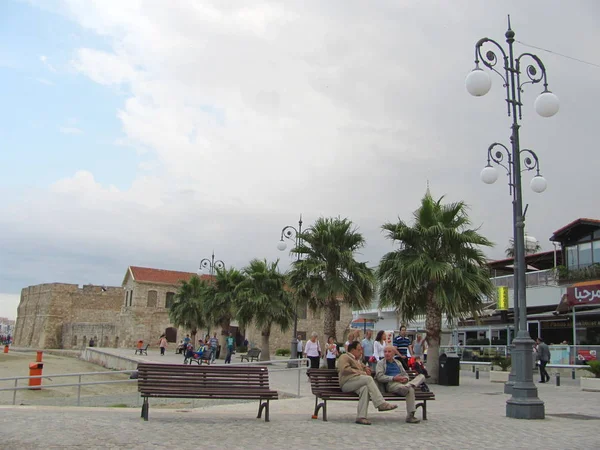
582 273
538 278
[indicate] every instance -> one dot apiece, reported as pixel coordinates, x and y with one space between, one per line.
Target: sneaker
425 388
386 407
412 419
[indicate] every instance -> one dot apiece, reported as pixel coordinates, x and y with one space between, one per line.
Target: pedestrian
332 352
402 343
543 354
312 350
214 343
418 347
351 338
379 345
299 347
230 342
162 343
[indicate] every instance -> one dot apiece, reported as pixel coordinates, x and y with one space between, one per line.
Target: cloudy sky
135 133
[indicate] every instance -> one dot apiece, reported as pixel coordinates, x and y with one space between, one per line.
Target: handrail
301 365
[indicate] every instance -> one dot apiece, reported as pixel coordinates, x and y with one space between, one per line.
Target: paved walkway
468 416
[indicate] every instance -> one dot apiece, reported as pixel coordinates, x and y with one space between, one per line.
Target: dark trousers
314 362
543 374
162 350
228 356
331 363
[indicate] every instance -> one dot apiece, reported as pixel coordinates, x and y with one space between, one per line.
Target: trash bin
6 348
35 369
38 356
449 369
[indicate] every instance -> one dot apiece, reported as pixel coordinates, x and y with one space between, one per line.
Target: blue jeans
229 353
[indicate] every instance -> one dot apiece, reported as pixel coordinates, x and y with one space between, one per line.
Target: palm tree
438 269
261 298
219 302
327 273
188 310
532 246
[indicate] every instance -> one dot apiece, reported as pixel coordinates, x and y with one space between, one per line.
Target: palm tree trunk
193 333
433 324
330 309
265 354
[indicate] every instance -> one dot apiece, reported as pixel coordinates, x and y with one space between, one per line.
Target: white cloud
245 116
50 67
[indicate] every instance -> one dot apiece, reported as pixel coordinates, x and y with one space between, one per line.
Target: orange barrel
35 369
38 356
6 348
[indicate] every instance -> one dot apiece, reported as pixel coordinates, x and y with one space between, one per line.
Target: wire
559 54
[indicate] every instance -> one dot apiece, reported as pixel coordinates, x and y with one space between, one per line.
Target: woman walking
162 343
379 345
332 352
312 351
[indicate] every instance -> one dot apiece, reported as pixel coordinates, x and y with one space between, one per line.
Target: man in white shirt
299 346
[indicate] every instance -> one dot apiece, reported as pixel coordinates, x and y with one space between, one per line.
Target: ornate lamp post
210 264
292 233
524 403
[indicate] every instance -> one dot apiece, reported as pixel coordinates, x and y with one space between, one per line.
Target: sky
136 133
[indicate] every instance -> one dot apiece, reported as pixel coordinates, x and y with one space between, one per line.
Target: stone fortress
66 316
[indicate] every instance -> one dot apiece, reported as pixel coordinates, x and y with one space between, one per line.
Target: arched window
152 299
117 342
74 341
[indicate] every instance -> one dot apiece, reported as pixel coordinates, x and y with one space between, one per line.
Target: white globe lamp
547 104
478 82
538 184
489 175
281 246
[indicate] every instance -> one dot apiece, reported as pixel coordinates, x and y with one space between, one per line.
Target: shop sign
583 295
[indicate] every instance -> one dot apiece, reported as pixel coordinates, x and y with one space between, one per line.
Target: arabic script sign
583 295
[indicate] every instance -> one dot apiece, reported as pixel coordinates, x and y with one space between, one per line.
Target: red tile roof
149 275
567 227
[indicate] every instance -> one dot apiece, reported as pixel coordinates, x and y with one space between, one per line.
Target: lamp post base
293 353
524 403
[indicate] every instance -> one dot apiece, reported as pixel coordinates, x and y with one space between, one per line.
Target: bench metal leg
318 406
145 407
263 405
423 406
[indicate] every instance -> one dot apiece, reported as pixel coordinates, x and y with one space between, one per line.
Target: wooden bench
209 382
205 357
142 350
253 353
325 385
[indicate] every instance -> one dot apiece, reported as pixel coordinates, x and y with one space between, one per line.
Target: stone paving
466 416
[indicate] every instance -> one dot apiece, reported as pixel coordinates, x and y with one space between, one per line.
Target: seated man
392 374
356 377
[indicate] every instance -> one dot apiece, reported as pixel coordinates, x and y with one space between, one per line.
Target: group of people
208 344
411 354
362 364
5 339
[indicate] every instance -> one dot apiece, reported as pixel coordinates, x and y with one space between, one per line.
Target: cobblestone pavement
466 416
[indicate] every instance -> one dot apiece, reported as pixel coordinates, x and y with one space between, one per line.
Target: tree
438 270
188 310
261 298
219 304
532 246
327 273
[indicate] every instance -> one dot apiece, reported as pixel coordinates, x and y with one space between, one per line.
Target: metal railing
300 362
546 277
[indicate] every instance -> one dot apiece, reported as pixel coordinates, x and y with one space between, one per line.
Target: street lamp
524 402
292 233
210 264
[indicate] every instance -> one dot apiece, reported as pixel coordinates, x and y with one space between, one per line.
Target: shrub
594 367
502 361
283 352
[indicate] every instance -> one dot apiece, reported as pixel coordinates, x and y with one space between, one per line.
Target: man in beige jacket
391 372
356 377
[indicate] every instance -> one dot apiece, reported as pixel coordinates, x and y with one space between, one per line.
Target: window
572 261
596 252
126 298
152 298
170 300
585 254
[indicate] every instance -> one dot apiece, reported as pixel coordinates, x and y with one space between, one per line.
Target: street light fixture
524 402
210 264
292 233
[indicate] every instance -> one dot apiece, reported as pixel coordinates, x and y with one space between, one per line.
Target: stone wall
45 308
78 335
